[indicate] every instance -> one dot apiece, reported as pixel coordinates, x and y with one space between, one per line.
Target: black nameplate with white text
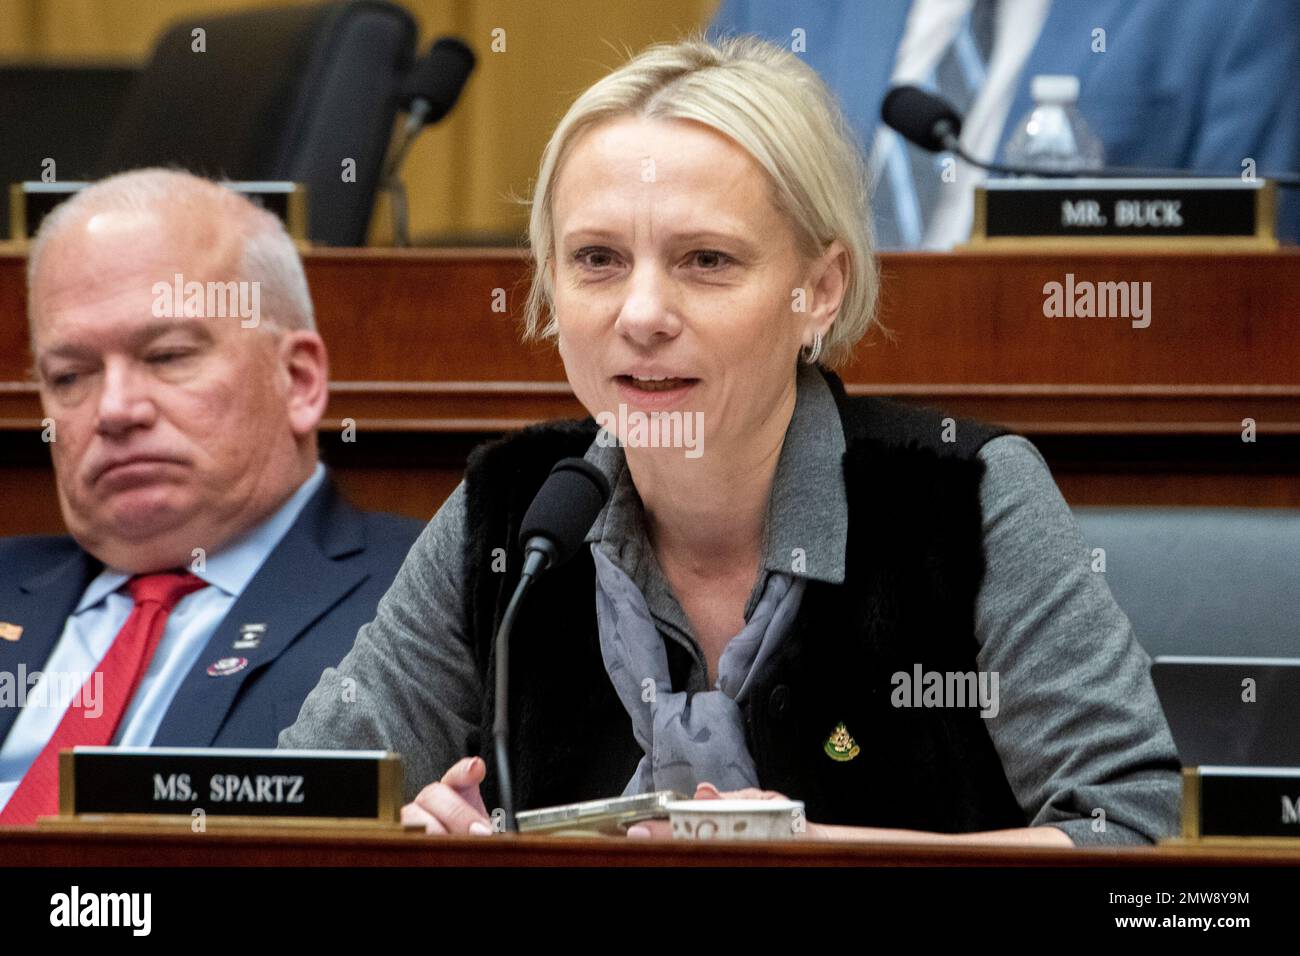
1241 802
1135 208
358 784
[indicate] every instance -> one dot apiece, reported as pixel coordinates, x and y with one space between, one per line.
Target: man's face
672 263
171 433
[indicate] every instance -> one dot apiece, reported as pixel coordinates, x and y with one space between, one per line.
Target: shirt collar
807 520
233 567
808 513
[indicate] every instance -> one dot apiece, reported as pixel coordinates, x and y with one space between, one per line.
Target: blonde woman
789 610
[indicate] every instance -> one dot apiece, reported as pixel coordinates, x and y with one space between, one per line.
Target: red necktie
122 669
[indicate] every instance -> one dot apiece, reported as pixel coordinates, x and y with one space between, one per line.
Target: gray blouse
1076 725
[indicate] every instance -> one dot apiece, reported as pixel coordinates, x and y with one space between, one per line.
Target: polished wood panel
426 360
59 845
416 344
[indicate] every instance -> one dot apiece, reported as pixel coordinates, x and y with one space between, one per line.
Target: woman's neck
707 515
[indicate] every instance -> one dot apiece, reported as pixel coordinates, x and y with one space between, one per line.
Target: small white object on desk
736 819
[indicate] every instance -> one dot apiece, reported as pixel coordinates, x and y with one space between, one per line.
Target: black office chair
63 112
279 94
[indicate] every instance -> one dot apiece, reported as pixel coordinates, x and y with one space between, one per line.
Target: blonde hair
777 109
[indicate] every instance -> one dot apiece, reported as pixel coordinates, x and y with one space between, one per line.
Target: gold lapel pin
840 745
10 632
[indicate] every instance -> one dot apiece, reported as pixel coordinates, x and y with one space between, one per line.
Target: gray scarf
687 738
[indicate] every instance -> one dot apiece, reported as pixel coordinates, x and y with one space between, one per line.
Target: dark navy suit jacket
314 591
1186 84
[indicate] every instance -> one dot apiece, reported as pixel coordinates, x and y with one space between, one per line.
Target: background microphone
428 93
932 123
923 118
554 528
434 84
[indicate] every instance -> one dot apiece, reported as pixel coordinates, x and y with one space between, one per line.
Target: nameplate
30 202
359 785
1231 211
1241 802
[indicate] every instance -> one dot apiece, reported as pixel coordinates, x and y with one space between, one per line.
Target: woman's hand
663 829
452 804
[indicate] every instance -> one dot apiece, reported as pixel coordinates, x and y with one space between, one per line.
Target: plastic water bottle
1053 136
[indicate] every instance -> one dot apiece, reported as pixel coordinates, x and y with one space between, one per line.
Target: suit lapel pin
10 632
840 745
250 635
227 666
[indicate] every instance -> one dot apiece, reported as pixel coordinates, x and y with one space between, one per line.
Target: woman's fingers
650 830
452 804
452 810
467 772
413 813
464 777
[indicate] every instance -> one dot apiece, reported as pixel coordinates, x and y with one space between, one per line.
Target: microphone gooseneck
932 123
554 528
428 93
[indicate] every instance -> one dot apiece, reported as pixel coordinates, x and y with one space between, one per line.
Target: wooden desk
152 846
497 884
426 368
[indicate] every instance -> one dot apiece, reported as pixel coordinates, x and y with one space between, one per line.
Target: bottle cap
1053 88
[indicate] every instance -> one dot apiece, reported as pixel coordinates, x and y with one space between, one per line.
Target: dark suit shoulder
385 524
391 532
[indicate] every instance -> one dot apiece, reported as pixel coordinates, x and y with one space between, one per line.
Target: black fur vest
914 565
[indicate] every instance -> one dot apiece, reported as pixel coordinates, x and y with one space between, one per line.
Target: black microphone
554 528
428 93
932 123
557 521
920 117
434 84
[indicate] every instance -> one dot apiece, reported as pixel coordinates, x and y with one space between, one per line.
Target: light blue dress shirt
100 614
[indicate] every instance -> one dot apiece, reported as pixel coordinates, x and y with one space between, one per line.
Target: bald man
211 571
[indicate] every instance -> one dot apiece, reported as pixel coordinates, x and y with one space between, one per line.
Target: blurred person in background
1196 85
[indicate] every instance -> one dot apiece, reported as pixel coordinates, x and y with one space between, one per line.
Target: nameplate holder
31 201
1241 802
170 785
1212 213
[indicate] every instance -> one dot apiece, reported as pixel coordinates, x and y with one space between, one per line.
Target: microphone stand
947 135
390 182
539 555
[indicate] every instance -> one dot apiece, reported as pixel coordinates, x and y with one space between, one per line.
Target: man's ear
303 358
828 281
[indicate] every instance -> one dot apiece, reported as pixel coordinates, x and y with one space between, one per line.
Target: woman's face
676 279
